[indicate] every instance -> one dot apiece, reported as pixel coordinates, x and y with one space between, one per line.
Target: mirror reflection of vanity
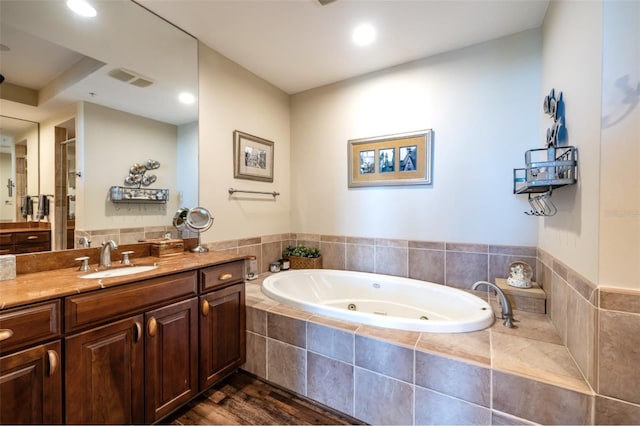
102 94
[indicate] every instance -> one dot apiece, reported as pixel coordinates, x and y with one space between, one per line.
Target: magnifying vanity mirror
197 219
101 93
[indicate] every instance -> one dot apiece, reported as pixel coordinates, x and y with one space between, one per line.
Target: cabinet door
105 374
31 386
222 333
171 358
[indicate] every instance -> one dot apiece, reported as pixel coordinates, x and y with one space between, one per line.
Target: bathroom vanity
120 350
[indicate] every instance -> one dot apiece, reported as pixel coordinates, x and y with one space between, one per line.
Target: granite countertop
46 285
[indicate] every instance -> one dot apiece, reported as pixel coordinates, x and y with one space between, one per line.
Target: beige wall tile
385 358
427 245
337 344
540 402
271 252
333 255
458 379
287 329
433 408
581 332
618 299
427 265
619 355
333 238
384 242
522 251
559 291
615 412
464 269
256 362
391 261
330 382
382 400
256 320
287 366
360 257
466 247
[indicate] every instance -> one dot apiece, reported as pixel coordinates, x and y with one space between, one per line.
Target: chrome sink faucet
105 252
507 313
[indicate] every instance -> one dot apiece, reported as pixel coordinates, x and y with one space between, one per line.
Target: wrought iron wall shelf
121 194
546 169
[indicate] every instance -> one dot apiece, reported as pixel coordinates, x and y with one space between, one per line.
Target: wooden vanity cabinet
104 370
171 358
30 365
31 386
137 369
222 322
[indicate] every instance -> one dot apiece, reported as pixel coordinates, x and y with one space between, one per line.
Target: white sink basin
118 272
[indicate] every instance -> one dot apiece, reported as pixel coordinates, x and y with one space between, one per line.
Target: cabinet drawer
6 239
29 324
32 237
110 304
221 275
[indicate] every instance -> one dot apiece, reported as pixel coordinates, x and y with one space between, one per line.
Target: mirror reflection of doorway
65 190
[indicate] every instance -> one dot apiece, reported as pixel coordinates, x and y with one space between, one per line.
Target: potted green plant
303 257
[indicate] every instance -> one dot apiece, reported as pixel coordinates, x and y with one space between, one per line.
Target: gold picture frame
399 159
253 157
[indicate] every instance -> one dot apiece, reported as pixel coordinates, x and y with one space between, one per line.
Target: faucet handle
125 257
84 266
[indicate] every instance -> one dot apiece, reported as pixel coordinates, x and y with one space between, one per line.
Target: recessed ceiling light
186 98
364 35
82 8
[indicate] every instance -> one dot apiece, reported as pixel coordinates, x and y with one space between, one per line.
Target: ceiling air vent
130 77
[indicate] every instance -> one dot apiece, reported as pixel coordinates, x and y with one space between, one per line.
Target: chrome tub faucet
507 313
105 253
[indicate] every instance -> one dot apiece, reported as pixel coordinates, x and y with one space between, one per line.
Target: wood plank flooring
242 399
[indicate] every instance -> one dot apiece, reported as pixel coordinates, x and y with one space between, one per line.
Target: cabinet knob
224 277
137 331
205 308
152 327
54 361
5 333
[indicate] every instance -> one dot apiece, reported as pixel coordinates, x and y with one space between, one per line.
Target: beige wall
620 147
231 98
482 102
572 63
108 144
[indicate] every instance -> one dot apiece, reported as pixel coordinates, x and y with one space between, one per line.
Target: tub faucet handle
507 313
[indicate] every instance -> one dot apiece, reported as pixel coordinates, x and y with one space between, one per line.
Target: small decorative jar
274 267
520 274
285 264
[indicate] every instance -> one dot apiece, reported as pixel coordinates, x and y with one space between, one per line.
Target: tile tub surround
599 326
384 376
454 264
601 329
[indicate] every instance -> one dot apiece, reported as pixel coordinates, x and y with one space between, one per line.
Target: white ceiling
299 44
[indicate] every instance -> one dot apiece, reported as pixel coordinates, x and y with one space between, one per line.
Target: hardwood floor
241 399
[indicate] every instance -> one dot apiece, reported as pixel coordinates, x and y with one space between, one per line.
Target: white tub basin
118 272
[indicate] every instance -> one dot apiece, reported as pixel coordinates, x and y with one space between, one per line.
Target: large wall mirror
103 93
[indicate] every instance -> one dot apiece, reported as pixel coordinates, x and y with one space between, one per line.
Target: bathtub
380 300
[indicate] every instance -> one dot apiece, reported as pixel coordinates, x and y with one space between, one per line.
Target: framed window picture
253 157
400 159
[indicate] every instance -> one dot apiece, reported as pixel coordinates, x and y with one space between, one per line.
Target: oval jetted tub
380 300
